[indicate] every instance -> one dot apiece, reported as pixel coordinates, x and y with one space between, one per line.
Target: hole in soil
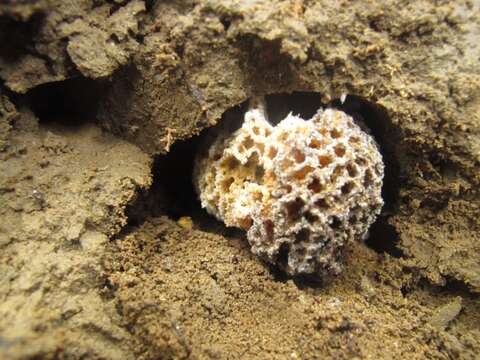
16 36
226 22
309 281
172 192
70 103
303 104
383 237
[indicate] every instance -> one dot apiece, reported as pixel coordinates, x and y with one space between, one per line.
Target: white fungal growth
302 189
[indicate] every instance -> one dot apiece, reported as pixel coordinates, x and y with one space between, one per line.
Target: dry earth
104 252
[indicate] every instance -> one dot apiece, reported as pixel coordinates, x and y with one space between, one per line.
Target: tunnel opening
303 104
70 103
172 192
16 36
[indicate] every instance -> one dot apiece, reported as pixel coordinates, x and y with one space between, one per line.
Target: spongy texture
301 189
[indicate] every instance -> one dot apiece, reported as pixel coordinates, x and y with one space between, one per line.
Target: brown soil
104 252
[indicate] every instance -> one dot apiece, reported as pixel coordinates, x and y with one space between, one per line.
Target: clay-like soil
105 252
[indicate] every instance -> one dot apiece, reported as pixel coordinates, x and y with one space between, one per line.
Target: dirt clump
64 192
54 40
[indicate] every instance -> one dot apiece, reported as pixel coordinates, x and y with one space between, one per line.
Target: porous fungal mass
302 189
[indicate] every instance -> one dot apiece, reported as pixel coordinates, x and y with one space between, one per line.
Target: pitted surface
302 189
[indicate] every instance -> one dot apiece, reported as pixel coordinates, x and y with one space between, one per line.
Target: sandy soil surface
104 250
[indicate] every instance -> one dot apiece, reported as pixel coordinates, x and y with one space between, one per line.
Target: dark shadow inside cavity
454 286
303 104
69 103
226 22
451 287
172 192
16 36
383 237
311 281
